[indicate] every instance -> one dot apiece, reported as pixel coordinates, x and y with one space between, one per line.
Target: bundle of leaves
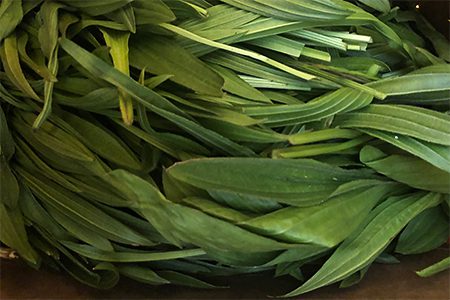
171 141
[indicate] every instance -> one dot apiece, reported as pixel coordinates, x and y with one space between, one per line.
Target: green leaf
94 189
296 182
176 190
109 275
13 234
319 149
124 15
425 232
57 146
407 169
248 66
141 274
439 41
6 141
180 224
8 185
342 100
280 44
413 84
48 39
185 280
381 5
386 258
435 268
244 202
48 30
80 231
8 98
35 212
421 123
319 224
365 244
186 9
216 210
48 91
355 278
64 22
235 85
322 135
236 50
99 68
10 59
30 160
294 10
117 42
151 12
98 7
82 211
152 100
437 155
242 259
164 56
135 256
101 141
136 223
243 134
36 65
11 15
80 270
97 100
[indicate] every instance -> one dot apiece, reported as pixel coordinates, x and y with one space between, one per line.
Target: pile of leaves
179 141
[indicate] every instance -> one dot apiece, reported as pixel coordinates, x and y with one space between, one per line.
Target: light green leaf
365 244
410 170
319 224
435 268
11 15
421 123
117 42
435 154
135 256
10 59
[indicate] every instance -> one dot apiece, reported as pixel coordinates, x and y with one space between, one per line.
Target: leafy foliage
172 140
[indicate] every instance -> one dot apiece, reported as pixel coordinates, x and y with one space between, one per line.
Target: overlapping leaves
117 117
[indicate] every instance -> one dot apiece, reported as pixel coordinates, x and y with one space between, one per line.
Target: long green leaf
435 268
407 169
318 224
297 182
421 123
366 244
141 256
